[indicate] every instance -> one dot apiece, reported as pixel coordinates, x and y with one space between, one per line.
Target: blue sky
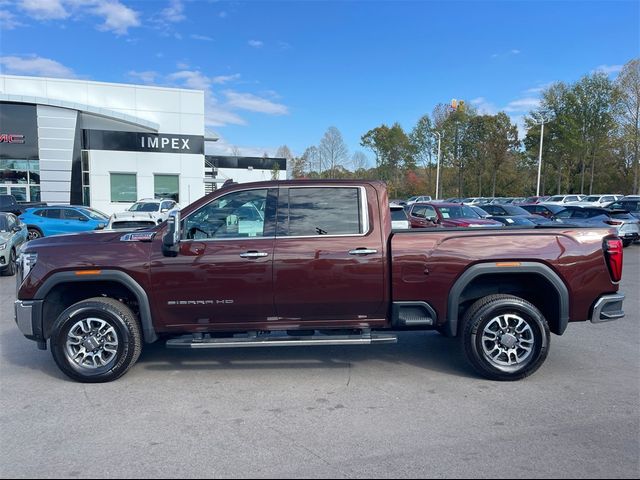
283 72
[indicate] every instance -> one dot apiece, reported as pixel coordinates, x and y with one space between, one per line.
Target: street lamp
438 164
540 119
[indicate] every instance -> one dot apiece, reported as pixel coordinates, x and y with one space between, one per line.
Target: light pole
438 165
540 120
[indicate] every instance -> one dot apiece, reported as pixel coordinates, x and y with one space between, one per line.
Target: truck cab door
222 277
329 260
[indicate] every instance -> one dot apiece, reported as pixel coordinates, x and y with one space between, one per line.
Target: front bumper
4 258
28 317
607 308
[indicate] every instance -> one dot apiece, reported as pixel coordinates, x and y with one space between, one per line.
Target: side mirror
101 226
164 210
83 219
171 239
16 229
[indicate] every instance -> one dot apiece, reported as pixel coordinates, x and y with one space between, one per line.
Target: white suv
159 208
599 200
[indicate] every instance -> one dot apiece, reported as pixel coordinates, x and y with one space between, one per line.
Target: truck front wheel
96 340
505 337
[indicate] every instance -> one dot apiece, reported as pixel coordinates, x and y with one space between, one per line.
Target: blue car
56 220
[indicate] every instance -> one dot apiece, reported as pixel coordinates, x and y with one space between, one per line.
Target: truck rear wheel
505 337
96 340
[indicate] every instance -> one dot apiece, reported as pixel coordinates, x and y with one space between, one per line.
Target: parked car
421 198
96 298
513 211
424 215
158 207
563 199
132 221
535 199
543 209
597 200
13 233
56 220
398 202
627 225
630 203
399 218
8 203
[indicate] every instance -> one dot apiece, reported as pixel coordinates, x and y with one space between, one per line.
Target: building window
20 178
123 188
167 186
86 190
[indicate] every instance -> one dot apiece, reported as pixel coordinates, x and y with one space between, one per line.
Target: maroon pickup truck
310 263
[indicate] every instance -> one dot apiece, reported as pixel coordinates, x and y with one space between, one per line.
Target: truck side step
413 314
278 340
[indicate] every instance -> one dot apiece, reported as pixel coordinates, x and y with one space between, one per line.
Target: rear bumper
607 308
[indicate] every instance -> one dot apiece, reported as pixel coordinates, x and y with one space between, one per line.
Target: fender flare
117 276
480 269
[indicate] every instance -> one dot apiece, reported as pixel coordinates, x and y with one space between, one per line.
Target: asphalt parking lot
414 409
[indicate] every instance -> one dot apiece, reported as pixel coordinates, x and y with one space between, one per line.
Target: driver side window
236 215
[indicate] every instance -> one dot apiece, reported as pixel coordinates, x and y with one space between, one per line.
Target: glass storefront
20 178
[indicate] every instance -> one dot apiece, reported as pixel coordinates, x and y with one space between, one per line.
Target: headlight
25 261
3 246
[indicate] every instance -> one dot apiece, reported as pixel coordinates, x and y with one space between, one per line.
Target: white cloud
34 65
223 14
192 79
220 79
608 69
253 103
118 18
515 51
217 116
224 147
44 9
204 38
148 77
522 104
255 43
484 107
8 20
174 13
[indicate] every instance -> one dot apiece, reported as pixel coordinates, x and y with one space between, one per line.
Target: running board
205 341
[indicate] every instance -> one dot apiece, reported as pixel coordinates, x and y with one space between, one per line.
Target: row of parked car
622 214
19 224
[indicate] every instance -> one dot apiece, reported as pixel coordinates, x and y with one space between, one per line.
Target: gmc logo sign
11 138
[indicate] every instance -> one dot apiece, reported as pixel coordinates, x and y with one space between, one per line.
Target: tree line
590 145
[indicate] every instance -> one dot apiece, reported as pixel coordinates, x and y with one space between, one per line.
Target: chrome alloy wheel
508 340
91 343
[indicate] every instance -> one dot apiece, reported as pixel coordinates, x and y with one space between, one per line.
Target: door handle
254 254
363 251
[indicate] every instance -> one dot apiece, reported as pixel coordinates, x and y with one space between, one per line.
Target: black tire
626 243
492 358
123 326
10 269
34 233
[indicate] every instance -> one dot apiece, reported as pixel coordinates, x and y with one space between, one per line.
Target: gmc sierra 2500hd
310 263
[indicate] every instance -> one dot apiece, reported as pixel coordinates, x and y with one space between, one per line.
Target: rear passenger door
329 256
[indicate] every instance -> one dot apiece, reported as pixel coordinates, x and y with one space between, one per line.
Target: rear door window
321 211
53 213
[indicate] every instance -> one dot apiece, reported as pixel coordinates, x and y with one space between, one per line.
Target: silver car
13 233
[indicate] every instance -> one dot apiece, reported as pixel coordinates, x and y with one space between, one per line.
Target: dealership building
108 145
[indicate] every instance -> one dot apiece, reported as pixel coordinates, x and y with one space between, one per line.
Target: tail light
613 222
613 255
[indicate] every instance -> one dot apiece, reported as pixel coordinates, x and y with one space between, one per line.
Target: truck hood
4 237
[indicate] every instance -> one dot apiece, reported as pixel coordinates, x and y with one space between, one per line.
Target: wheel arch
60 291
533 281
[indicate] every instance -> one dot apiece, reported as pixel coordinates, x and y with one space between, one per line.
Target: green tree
628 98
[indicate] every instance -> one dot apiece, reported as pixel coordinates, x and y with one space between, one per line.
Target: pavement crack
299 445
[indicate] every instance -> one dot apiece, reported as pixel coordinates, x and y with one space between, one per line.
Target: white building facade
99 144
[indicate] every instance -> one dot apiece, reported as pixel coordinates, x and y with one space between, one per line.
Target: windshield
4 224
145 207
94 214
397 214
557 198
460 211
513 210
593 198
